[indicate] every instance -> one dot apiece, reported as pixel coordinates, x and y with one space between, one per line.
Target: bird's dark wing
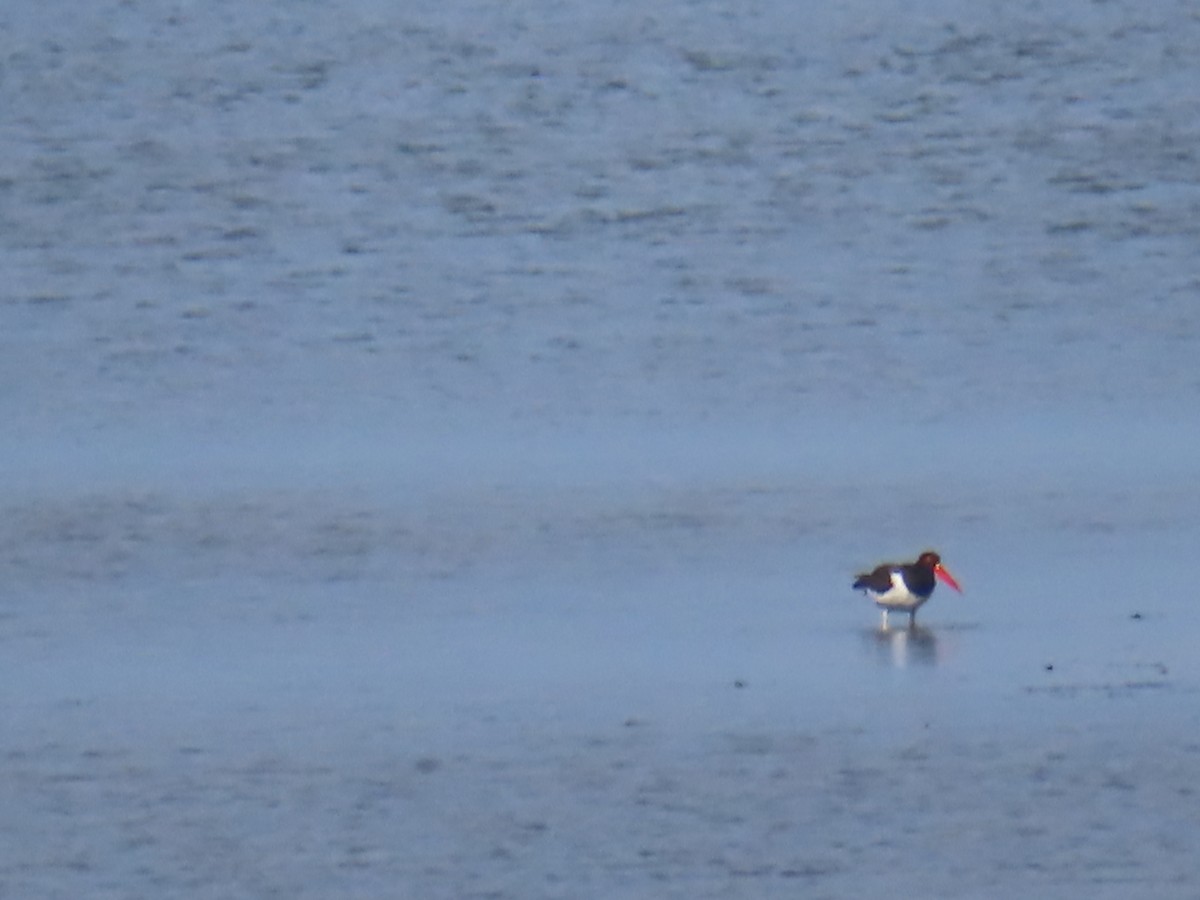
878 579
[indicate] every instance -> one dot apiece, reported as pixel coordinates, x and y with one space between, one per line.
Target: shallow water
440 442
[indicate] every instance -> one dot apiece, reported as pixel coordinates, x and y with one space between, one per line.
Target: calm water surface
439 442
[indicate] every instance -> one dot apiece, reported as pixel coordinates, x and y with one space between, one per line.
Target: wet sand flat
566 692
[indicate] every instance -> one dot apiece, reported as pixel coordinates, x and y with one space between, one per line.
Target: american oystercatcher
904 586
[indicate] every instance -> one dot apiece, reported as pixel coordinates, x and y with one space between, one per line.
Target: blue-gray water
440 439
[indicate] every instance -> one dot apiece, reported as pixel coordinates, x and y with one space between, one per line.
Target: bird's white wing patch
898 594
899 589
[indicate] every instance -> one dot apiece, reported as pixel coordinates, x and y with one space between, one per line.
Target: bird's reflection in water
910 645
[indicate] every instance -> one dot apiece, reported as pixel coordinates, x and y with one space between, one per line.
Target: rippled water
440 440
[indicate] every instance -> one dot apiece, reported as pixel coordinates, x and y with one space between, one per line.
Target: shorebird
904 586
